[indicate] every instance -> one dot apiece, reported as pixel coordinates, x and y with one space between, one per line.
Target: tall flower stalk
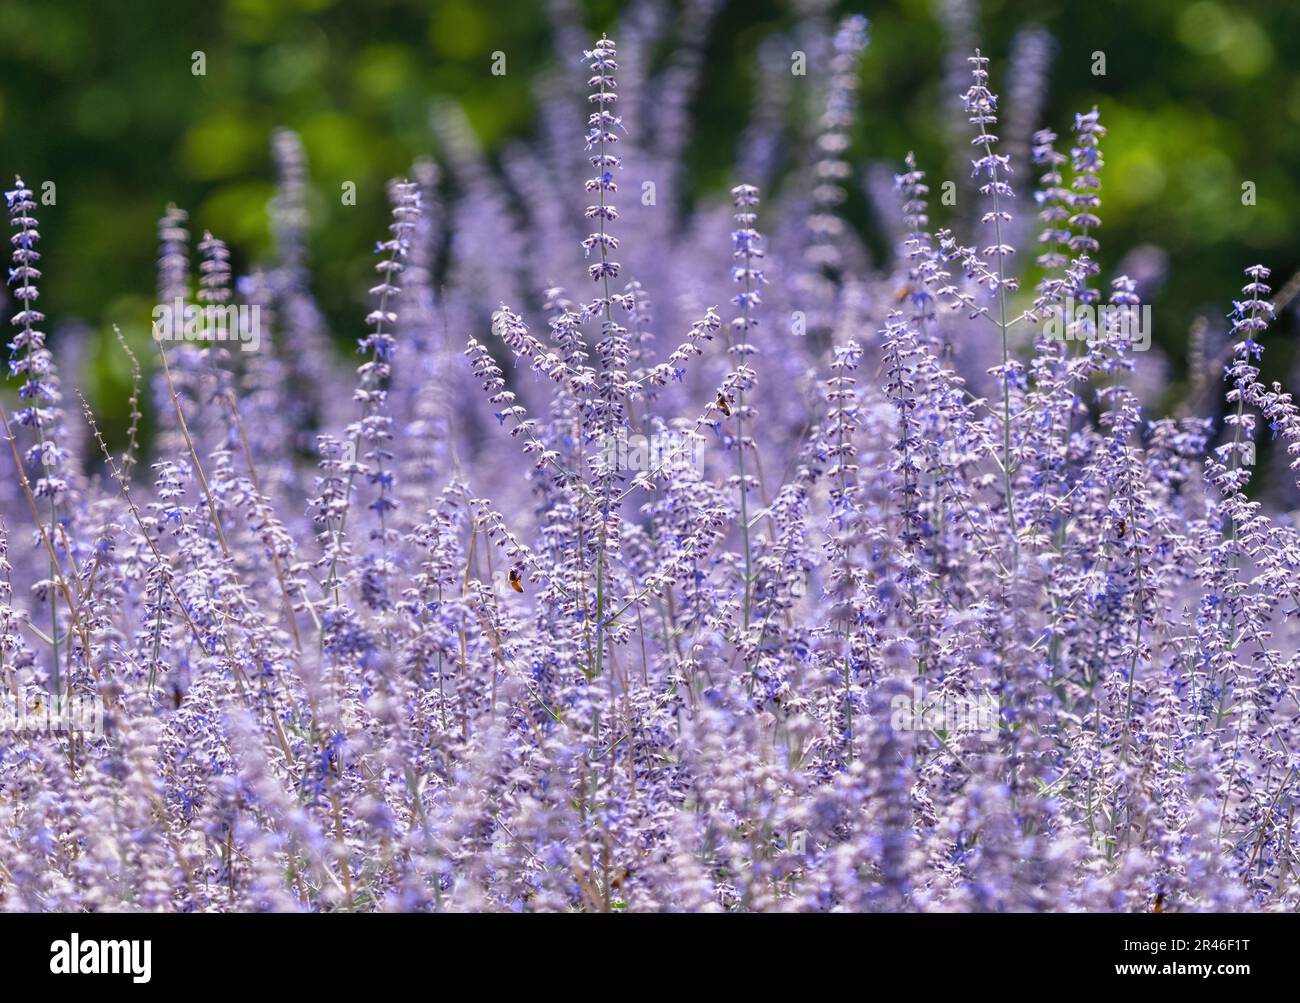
602 129
375 428
39 393
981 108
747 251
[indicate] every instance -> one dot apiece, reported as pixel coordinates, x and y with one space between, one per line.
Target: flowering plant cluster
905 603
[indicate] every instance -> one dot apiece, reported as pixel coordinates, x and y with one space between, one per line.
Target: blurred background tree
1198 98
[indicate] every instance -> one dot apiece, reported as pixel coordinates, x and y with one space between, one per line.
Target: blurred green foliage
1198 98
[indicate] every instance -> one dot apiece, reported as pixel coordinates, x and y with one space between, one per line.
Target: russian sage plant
881 587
